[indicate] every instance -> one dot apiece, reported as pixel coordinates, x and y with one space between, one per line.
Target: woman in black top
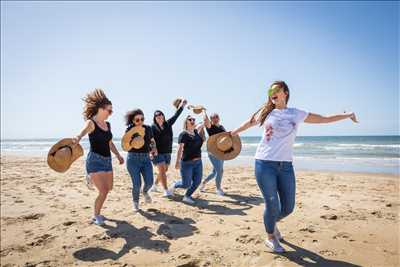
138 161
213 127
98 163
163 134
188 158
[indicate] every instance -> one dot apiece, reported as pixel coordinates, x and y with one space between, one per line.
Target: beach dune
340 219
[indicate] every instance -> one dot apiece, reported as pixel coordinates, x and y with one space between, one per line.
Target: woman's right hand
177 165
76 140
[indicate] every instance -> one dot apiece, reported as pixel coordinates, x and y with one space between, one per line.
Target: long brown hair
269 106
93 101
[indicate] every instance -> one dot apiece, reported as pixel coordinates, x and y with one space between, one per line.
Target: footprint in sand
245 239
329 217
68 223
341 235
309 229
328 253
41 240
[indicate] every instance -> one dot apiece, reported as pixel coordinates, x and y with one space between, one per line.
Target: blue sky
334 56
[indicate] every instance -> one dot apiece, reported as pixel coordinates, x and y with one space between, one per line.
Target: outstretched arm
251 122
178 112
206 120
88 128
316 118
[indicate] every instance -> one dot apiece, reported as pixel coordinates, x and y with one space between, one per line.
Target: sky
335 56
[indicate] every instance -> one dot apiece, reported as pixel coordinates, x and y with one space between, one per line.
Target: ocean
373 154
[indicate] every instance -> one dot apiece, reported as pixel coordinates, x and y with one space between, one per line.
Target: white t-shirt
284 124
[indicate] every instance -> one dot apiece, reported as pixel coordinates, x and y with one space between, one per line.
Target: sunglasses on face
215 117
274 90
109 111
191 119
158 114
139 119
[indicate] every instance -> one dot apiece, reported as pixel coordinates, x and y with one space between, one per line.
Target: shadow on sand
134 238
308 258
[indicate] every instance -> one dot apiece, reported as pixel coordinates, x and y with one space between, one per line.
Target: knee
103 193
287 210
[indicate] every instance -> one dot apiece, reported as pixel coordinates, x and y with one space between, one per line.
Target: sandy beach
340 219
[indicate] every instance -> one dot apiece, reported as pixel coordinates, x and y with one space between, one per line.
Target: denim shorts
163 157
98 163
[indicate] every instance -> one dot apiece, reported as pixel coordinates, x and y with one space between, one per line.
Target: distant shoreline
243 136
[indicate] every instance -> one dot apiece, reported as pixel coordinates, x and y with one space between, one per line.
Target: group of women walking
152 145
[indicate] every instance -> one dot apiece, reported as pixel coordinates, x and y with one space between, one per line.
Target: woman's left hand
120 159
353 117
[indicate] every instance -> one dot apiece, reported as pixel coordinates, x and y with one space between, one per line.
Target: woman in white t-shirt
273 160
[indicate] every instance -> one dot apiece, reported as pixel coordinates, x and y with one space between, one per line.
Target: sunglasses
109 111
191 119
139 119
215 117
158 114
274 89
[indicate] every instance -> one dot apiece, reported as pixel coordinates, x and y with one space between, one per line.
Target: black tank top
99 140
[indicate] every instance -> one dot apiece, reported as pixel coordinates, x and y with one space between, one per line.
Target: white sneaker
147 198
220 192
154 188
167 193
274 245
98 220
277 234
136 206
188 200
202 187
171 189
89 182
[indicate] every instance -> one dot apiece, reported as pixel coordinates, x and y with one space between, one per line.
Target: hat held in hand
134 138
63 154
177 102
196 109
224 146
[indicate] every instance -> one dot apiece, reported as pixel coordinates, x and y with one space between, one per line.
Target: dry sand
340 219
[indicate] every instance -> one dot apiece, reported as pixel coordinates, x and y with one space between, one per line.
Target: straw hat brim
213 149
76 149
126 139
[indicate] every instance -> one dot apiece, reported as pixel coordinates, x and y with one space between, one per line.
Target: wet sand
340 219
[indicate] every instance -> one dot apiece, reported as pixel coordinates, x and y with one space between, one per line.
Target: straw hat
196 109
224 146
134 138
63 154
177 102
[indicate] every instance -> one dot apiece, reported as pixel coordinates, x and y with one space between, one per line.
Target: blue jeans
191 172
139 164
277 183
217 172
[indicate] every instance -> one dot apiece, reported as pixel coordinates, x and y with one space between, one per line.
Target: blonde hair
93 101
267 107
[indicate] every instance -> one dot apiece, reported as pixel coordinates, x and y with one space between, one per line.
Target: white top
284 123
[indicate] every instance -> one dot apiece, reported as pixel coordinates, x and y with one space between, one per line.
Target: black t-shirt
192 147
163 137
215 130
148 135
